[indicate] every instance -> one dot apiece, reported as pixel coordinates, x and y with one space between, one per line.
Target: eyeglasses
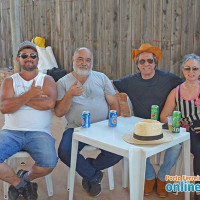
188 69
32 55
142 61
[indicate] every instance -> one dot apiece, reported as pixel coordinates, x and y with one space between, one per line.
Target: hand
75 89
35 91
197 130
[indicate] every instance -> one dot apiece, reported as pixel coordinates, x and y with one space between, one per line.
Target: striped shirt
187 107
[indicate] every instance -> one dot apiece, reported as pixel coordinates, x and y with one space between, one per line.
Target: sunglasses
142 61
32 55
188 69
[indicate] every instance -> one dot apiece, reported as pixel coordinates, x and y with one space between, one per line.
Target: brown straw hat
146 47
142 137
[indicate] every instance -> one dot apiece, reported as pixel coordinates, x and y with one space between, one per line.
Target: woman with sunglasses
185 98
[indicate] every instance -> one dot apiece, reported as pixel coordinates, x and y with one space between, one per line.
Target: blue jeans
171 155
40 146
85 168
195 150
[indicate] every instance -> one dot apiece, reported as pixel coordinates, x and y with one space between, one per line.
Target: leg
83 167
195 150
150 176
105 160
150 172
37 172
8 175
10 143
171 156
41 147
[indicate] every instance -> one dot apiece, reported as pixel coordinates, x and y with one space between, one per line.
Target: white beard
82 70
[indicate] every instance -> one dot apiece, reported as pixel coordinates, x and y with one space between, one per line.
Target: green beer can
176 122
154 112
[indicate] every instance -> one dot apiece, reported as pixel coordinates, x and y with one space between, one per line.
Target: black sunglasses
142 61
32 55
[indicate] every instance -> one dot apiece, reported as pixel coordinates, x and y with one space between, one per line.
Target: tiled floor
59 176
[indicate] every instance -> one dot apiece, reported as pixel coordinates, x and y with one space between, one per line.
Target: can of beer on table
176 122
112 118
86 119
154 112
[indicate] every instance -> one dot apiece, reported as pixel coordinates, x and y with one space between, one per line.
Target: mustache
83 67
28 62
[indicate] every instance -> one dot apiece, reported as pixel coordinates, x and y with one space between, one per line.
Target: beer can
86 119
154 112
176 122
112 118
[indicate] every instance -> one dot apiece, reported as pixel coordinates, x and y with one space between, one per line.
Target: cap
25 44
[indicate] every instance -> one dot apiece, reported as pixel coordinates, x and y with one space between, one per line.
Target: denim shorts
40 146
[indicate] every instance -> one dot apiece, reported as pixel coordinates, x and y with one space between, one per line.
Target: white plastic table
110 139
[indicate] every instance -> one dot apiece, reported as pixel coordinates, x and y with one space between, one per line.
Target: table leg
137 166
73 167
125 172
186 160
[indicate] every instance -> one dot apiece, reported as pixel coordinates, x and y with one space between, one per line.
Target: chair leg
125 172
111 178
68 180
5 190
5 184
157 158
14 164
49 185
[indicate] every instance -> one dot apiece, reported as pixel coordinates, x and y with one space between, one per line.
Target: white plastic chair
22 155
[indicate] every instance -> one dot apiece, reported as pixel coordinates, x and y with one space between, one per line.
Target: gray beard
80 72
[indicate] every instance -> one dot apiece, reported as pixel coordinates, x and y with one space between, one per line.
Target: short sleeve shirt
144 93
92 99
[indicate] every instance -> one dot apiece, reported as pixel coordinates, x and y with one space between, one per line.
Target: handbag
56 73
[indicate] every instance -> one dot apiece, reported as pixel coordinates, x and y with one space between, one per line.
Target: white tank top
27 118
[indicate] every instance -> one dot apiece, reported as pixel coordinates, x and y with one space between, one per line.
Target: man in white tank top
26 99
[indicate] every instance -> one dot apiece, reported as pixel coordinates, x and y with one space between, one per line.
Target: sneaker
149 185
95 186
161 188
86 185
21 173
30 191
13 193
